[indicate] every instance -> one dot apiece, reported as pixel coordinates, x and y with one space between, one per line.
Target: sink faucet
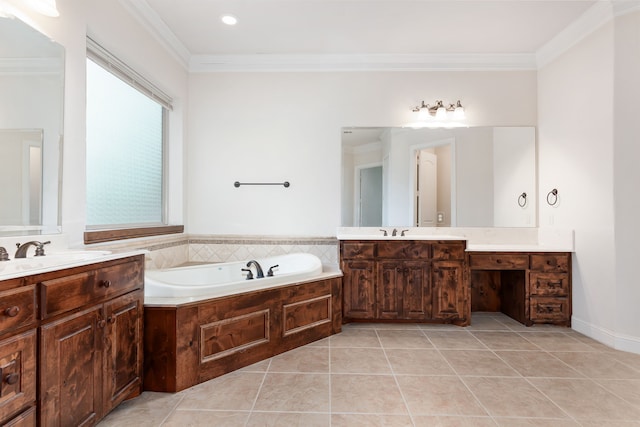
259 273
403 231
394 232
4 256
22 248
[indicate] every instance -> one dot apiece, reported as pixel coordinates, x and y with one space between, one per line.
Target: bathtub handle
249 273
270 272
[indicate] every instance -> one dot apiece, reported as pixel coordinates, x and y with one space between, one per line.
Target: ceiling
389 31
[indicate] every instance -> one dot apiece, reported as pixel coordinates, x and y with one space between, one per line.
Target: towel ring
522 200
552 197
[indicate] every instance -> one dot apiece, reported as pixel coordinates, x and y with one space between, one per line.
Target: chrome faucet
4 256
259 273
394 232
22 248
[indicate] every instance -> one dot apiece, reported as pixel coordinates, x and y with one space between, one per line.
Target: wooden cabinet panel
17 373
549 283
499 261
449 297
403 250
551 262
71 363
552 310
358 250
17 308
123 348
416 294
390 280
359 290
24 419
448 251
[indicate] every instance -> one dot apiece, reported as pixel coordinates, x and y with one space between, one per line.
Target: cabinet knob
12 311
105 283
11 378
111 319
102 323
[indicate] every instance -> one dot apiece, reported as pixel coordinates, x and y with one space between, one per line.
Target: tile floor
493 373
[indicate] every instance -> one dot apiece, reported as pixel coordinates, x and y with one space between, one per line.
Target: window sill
100 236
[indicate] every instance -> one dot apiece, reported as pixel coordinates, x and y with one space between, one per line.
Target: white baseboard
606 336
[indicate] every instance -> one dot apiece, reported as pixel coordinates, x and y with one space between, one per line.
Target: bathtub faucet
259 273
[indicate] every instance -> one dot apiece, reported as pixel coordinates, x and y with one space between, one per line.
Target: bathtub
215 280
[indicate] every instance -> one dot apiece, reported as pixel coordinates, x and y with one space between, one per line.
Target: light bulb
229 19
441 113
458 113
423 113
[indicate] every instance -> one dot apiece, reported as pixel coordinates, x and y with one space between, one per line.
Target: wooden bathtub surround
195 342
71 343
418 281
531 287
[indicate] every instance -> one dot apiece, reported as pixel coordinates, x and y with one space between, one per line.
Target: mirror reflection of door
370 201
426 192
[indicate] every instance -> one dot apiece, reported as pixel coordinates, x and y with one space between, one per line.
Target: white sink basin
406 237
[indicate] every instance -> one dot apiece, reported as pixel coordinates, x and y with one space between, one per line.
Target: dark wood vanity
71 343
439 281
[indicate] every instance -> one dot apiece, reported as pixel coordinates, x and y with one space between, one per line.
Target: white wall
576 145
271 127
115 29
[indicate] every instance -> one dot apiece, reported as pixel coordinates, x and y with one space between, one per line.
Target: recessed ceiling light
229 19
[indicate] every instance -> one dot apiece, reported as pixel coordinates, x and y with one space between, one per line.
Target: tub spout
259 273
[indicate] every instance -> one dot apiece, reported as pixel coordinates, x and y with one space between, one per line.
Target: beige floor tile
262 366
418 362
294 392
147 410
553 341
440 327
596 345
583 399
355 337
370 420
324 342
512 397
504 341
439 421
288 419
397 326
630 359
200 418
628 390
359 361
455 340
234 391
598 365
303 359
538 364
403 339
486 323
602 423
478 362
370 394
536 422
438 396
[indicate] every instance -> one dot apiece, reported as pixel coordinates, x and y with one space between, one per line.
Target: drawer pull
547 308
498 261
11 378
102 323
105 283
12 311
111 319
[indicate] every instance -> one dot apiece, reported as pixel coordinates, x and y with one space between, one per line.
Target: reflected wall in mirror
31 117
464 177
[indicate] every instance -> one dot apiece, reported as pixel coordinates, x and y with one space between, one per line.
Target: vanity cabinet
78 352
531 287
405 280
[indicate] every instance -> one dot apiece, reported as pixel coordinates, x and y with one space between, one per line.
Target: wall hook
552 197
522 200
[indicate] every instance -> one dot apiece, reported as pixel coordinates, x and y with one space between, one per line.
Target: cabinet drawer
550 262
17 372
17 307
548 283
499 261
358 250
545 309
24 419
446 251
403 250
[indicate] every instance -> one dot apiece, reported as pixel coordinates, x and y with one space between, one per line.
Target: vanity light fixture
229 19
438 115
44 7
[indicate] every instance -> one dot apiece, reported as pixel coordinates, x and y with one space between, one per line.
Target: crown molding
150 20
361 62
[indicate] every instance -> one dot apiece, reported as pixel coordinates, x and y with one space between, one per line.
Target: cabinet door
390 281
449 290
71 363
123 349
17 373
416 292
359 289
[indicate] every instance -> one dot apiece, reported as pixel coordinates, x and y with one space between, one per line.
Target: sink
379 236
18 266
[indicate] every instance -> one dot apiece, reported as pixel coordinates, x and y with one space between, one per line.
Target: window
126 135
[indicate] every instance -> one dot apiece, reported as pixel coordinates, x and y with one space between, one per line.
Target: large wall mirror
463 177
31 118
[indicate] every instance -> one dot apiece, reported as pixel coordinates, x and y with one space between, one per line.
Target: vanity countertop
15 268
